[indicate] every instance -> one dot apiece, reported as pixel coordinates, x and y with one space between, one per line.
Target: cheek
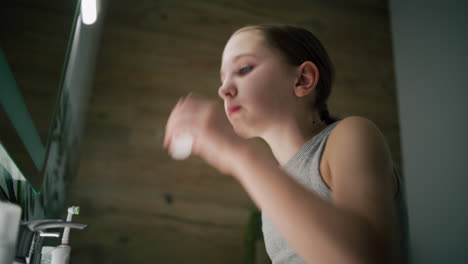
271 93
266 91
259 96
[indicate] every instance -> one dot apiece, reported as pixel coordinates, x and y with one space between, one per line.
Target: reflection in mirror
34 39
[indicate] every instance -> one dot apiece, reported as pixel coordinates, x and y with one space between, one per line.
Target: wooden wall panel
142 206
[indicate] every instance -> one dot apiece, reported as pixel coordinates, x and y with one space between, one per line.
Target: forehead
246 42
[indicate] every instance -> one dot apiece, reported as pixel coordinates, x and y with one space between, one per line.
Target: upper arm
361 172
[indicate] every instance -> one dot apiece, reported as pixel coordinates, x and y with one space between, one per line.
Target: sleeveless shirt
304 167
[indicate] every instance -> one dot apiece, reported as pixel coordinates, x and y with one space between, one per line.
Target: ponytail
324 114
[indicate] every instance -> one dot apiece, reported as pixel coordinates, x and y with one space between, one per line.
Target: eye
245 70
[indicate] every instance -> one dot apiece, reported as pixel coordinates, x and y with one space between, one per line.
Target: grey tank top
304 167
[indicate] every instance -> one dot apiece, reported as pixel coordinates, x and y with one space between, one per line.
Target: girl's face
257 85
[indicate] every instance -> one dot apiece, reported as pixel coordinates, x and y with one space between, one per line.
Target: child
329 193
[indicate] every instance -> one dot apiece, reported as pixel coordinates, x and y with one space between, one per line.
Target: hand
214 139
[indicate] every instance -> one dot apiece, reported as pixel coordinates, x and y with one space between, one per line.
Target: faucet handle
39 225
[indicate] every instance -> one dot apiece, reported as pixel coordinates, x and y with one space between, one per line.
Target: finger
185 105
170 121
176 114
167 136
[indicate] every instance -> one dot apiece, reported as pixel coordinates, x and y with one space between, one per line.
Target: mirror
35 39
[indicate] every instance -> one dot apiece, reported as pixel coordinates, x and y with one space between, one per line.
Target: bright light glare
88 11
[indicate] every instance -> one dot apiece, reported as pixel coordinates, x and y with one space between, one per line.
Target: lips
232 109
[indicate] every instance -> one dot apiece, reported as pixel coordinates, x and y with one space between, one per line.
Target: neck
288 137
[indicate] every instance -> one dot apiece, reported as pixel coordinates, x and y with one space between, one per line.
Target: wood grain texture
142 206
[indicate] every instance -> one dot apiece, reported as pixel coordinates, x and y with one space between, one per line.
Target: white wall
430 41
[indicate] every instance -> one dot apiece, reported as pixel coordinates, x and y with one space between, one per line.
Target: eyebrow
238 56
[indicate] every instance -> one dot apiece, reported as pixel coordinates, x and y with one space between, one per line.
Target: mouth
233 109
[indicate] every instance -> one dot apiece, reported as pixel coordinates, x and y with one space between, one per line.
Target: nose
227 90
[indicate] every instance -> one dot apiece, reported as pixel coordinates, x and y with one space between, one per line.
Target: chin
243 133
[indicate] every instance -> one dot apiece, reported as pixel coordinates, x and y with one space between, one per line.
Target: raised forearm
315 228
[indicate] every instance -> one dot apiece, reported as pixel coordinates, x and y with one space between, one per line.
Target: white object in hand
181 146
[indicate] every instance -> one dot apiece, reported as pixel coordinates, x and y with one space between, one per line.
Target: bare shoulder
350 133
356 147
356 131
353 128
361 173
357 139
354 124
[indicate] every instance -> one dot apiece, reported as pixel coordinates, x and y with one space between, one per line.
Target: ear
308 76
